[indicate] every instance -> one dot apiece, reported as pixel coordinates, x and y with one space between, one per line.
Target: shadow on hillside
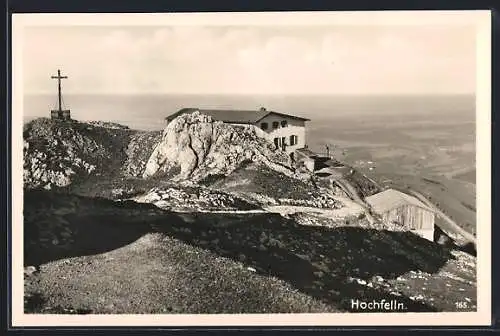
58 226
317 261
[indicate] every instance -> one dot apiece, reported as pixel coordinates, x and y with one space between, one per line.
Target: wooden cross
59 77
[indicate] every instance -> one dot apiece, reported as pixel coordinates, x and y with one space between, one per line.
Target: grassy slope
467 176
159 274
253 179
137 259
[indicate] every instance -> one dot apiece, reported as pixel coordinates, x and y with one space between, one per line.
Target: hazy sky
252 59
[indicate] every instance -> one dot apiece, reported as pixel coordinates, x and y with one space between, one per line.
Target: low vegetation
253 180
364 186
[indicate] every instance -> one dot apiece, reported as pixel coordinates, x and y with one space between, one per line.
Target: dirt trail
454 226
350 209
253 211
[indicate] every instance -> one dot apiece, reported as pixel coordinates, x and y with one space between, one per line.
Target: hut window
284 123
264 126
293 140
277 142
275 124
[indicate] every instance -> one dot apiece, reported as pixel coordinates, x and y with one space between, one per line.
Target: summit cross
59 77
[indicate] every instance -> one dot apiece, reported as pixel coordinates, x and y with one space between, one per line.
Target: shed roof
306 152
390 199
233 116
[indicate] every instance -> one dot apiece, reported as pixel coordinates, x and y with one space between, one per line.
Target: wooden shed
402 212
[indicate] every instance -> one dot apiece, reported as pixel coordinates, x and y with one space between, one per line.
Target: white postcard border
480 19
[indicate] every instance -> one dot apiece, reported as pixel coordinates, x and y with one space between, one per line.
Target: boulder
194 146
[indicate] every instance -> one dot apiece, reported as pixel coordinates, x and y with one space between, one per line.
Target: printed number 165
461 305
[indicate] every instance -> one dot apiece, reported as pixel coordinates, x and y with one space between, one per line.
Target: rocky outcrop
53 154
139 150
39 169
58 153
107 124
194 146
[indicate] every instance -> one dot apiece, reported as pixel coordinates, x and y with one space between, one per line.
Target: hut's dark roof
390 199
233 116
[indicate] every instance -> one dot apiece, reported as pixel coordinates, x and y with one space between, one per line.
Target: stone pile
196 199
